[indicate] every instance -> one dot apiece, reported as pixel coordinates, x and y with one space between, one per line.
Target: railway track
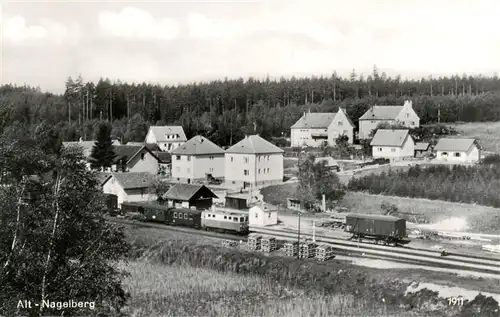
400 255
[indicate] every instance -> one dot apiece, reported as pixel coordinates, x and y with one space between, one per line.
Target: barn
189 196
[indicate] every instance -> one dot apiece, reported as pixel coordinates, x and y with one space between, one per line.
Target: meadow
480 219
488 133
177 274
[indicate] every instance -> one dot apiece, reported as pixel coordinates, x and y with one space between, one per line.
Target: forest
474 184
226 110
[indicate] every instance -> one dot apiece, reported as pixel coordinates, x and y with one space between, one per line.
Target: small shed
189 195
262 216
422 148
236 203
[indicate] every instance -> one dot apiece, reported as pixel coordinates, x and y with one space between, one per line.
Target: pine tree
102 155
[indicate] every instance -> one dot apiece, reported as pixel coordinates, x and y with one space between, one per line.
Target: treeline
226 110
478 184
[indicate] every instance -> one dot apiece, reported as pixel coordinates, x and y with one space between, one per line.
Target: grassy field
178 275
479 219
488 133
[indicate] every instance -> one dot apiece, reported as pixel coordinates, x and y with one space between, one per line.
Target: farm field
488 133
178 274
450 216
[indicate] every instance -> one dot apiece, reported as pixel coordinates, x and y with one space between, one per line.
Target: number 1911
456 301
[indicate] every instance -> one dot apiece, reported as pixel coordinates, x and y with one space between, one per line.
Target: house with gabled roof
392 144
166 137
404 115
197 159
132 158
253 161
316 128
460 150
128 186
189 196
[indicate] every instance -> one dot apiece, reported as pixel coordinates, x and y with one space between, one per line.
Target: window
211 157
407 115
444 154
229 218
380 149
268 157
175 215
189 158
245 159
246 218
393 150
143 155
177 157
345 131
142 192
235 219
186 216
234 182
340 123
170 147
225 217
269 216
256 215
373 121
457 154
231 158
259 170
211 169
242 219
268 170
412 123
245 172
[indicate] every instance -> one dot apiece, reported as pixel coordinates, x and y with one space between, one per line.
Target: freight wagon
384 229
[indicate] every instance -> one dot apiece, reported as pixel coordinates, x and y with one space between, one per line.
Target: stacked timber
254 242
291 249
324 252
307 250
229 243
268 244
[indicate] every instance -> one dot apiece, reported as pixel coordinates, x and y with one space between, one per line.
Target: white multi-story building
392 144
404 115
167 138
253 162
196 160
458 150
316 128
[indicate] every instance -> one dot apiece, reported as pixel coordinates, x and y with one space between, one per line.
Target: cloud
16 31
134 23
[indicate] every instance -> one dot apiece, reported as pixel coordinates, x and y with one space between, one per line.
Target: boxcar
224 220
387 229
184 217
152 211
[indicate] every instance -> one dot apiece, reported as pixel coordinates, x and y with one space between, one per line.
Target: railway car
184 217
225 220
152 212
384 229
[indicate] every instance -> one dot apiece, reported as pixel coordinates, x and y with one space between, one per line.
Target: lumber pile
254 242
268 244
307 250
291 249
324 252
229 243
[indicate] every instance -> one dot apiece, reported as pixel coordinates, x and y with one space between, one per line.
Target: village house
404 115
457 150
128 186
189 195
422 149
196 160
262 216
315 129
392 144
167 138
253 162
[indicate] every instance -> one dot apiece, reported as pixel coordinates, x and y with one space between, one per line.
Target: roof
347 116
132 180
382 113
448 144
328 160
163 157
126 151
198 145
374 217
421 146
254 144
102 177
186 192
312 120
389 137
160 133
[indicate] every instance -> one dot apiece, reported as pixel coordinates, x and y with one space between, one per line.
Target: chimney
304 113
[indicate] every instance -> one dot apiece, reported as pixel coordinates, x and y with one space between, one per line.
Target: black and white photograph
260 158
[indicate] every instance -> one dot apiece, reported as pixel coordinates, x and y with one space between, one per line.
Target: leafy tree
158 188
316 180
102 155
54 242
343 146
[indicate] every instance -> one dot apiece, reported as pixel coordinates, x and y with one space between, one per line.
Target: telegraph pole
298 238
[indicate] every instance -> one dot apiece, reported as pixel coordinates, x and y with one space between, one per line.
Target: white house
253 162
166 137
128 186
316 128
392 144
196 160
457 150
262 216
404 115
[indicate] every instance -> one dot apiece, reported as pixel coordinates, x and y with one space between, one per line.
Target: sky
172 42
